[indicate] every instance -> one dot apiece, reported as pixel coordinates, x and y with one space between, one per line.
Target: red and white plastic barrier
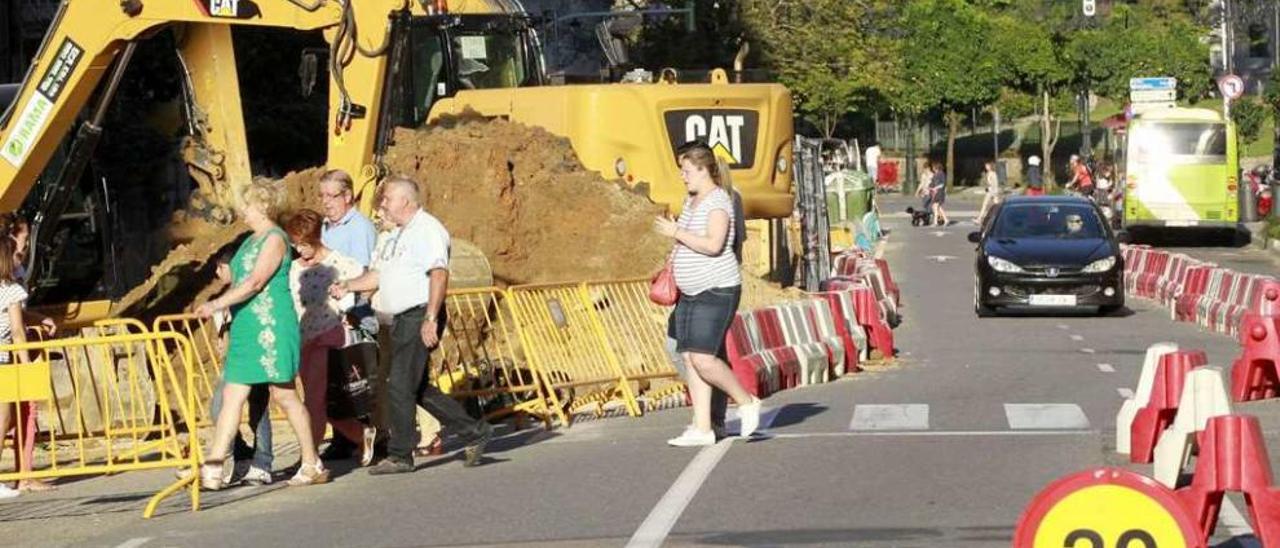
1213 297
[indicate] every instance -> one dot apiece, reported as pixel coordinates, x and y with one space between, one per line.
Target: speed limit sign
1106 508
1231 86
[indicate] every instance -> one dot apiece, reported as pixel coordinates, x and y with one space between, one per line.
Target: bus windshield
1154 141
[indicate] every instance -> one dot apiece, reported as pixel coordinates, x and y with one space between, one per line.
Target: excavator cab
465 52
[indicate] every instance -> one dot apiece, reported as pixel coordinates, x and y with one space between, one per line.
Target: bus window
1153 141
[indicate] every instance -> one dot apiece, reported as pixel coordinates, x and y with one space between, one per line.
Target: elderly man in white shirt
411 274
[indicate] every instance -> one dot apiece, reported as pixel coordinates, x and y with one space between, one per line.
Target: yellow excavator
391 63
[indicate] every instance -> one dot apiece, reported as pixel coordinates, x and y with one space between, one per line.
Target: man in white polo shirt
411 274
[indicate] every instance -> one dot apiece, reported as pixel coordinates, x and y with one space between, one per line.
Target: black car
1047 251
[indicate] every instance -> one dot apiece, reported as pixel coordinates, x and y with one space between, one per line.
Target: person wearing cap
1035 177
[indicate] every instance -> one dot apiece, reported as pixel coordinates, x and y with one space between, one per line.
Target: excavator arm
88 46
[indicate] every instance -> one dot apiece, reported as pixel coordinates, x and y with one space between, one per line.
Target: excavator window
425 73
489 61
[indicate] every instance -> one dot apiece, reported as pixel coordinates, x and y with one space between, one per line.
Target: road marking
1063 326
657 525
1231 518
1125 393
940 258
1088 351
939 233
134 542
1106 368
935 433
909 416
1045 416
1077 337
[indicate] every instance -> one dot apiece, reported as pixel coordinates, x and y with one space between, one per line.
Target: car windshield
1047 221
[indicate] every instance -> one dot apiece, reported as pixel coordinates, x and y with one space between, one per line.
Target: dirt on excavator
518 193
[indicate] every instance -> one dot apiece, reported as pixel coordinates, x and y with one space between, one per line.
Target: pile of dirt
520 195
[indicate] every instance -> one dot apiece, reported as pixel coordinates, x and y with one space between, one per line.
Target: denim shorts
699 322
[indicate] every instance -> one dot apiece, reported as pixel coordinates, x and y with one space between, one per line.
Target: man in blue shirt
345 230
350 233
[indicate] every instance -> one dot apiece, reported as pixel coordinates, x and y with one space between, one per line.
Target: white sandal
310 474
216 476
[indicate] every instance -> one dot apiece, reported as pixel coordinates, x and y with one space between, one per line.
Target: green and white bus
1180 170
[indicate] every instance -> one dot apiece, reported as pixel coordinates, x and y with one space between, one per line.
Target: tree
1031 66
825 51
946 51
1248 115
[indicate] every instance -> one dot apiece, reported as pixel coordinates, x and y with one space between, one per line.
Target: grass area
1265 143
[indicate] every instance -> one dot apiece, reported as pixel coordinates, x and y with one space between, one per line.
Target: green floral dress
264 341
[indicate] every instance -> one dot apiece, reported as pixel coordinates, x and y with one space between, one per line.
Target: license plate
1053 300
1181 223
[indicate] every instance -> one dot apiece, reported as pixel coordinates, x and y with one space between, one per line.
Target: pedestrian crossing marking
1045 416
909 416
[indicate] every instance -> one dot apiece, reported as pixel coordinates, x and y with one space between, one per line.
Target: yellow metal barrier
207 352
635 330
103 424
602 336
480 360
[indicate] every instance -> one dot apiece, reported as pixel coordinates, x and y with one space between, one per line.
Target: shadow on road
796 413
1191 237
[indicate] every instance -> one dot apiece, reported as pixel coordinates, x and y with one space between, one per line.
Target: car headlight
1100 265
1002 265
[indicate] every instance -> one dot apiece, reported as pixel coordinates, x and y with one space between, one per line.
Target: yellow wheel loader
391 63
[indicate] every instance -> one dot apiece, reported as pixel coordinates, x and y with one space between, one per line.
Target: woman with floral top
316 268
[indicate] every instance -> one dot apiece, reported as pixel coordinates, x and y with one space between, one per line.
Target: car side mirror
1124 237
975 237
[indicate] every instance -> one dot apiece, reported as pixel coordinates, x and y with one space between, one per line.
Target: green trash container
849 196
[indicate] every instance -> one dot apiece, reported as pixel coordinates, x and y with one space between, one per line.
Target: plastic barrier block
823 322
1141 396
888 280
1204 396
1166 392
852 336
1233 457
812 356
1254 375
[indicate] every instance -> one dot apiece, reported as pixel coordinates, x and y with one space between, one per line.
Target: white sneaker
749 415
692 437
7 492
256 476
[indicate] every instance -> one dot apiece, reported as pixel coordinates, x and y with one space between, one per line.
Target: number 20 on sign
1106 508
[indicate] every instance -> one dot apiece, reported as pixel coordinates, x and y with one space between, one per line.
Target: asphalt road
944 448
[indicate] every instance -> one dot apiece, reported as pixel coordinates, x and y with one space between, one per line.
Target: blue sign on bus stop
1152 84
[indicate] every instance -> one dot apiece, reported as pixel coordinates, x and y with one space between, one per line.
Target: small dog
920 218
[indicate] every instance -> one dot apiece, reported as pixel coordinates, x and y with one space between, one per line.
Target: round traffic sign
1231 86
1106 508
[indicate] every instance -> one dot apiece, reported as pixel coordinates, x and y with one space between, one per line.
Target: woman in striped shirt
707 273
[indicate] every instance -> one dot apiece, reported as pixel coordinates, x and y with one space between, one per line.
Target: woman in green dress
264 344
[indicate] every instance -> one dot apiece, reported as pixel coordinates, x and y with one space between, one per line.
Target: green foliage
1248 115
947 50
824 50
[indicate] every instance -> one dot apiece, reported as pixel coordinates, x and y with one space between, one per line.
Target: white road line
134 542
1234 522
1088 351
733 424
1077 337
1106 368
1063 326
909 416
655 528
936 433
1125 393
1045 416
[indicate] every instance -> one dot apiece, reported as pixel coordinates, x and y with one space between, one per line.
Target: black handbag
350 392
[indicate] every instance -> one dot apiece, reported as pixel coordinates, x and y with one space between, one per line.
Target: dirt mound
520 194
